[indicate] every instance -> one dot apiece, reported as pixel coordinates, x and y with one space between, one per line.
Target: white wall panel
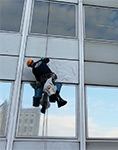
8 67
36 46
71 1
63 48
2 145
67 71
102 146
110 3
98 51
101 73
49 146
9 43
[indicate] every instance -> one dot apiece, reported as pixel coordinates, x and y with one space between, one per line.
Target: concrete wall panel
10 44
102 146
2 145
63 48
8 67
48 145
36 46
104 52
101 73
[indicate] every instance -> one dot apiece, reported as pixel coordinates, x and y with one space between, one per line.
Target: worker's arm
46 60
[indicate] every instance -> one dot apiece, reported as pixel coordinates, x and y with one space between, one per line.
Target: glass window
61 121
102 112
39 21
4 102
61 19
11 14
101 23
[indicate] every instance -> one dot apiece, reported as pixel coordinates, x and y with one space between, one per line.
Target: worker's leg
37 96
58 85
57 97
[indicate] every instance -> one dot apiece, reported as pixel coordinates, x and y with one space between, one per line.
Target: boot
36 101
43 109
53 98
60 101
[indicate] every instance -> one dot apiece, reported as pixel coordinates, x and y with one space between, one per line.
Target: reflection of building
29 122
3 116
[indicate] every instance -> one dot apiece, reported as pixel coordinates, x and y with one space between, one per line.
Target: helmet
29 62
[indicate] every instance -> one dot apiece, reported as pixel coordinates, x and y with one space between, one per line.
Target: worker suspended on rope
44 75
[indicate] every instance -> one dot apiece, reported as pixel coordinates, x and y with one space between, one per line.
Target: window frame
49 137
93 39
86 113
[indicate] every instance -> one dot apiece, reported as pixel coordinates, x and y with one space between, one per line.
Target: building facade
80 38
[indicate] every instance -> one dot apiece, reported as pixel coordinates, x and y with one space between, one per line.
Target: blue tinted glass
53 18
101 23
40 15
11 14
62 19
102 111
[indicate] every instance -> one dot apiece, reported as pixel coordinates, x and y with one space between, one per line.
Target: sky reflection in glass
101 23
11 14
61 19
102 111
61 121
39 20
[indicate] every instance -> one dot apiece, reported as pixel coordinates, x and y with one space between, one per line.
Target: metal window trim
48 137
81 86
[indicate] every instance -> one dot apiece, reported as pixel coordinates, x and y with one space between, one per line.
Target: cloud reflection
101 23
11 14
61 18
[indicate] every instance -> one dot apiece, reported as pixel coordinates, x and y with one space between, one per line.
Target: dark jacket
40 68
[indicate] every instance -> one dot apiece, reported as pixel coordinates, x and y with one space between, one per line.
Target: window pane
102 111
40 15
62 19
4 101
11 14
101 23
61 121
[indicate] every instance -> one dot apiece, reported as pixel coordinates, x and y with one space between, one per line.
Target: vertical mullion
81 65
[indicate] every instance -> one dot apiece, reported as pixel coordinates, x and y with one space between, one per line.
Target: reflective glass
102 111
62 19
60 122
4 102
40 15
11 14
101 23
53 18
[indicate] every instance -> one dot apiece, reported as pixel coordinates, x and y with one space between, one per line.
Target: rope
45 119
47 30
45 128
